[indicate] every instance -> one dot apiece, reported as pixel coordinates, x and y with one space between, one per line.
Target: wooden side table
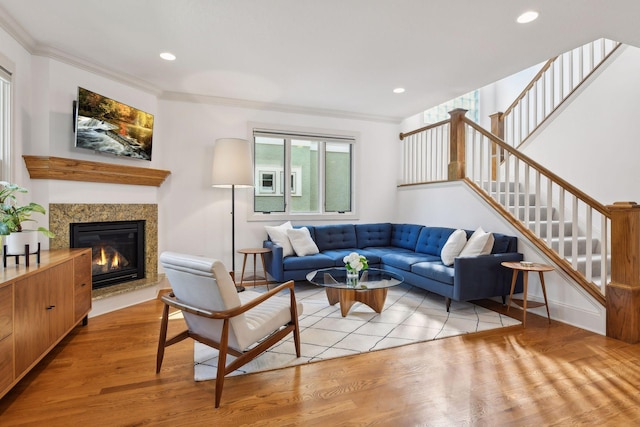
540 268
255 252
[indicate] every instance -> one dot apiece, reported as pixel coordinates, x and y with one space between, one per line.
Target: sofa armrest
273 260
483 276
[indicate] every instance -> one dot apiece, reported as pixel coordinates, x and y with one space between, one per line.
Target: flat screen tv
107 126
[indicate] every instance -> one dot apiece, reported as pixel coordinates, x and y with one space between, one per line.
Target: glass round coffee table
370 288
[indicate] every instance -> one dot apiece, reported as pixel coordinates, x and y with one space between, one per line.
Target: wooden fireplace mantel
48 167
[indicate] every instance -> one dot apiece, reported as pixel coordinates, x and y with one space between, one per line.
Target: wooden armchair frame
222 345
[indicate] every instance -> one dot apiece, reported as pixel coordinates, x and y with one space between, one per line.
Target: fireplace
118 249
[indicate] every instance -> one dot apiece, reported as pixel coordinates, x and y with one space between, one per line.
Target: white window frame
6 107
277 188
312 134
261 189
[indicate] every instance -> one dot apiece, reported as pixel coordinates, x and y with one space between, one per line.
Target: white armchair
243 325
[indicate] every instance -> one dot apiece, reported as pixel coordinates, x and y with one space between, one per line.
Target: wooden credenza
39 306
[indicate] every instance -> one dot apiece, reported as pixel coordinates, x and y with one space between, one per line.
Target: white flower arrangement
355 262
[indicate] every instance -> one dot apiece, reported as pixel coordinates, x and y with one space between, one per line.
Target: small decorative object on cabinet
19 241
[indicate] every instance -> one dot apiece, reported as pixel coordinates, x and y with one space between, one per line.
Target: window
267 184
468 101
5 124
299 173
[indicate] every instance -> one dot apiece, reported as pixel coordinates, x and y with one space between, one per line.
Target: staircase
568 239
556 81
565 224
590 244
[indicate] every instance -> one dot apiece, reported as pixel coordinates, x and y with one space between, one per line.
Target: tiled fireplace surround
63 214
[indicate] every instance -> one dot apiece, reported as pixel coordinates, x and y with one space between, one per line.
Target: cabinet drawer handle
51 307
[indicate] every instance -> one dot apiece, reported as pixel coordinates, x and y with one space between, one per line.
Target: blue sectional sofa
410 250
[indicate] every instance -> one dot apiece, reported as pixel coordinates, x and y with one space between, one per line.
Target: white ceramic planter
16 241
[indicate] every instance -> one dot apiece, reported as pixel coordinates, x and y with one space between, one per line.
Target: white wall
595 144
197 217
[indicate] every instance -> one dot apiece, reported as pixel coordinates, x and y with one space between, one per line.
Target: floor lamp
232 167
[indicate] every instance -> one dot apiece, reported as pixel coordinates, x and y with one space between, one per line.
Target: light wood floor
104 375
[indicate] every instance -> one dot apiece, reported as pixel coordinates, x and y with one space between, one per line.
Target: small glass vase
352 277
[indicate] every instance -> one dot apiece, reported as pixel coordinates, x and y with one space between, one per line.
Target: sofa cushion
309 262
434 271
455 243
504 244
405 235
337 256
278 235
302 242
340 236
404 260
373 234
383 250
432 239
480 243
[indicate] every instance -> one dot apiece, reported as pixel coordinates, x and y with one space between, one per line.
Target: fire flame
103 257
108 263
115 262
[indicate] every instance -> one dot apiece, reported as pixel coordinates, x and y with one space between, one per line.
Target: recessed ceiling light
398 90
168 56
527 17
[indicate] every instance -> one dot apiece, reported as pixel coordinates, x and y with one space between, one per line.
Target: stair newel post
456 169
497 128
623 293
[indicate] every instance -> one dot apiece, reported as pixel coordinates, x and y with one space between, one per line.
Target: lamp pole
233 236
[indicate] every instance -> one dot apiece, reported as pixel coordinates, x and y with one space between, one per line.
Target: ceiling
332 56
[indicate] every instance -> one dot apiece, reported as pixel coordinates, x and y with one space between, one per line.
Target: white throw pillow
480 243
278 235
453 247
302 242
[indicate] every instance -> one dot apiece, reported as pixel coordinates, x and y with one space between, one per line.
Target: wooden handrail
533 81
539 243
497 145
516 153
422 129
544 171
525 92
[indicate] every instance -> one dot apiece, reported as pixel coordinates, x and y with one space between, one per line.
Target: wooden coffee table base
373 298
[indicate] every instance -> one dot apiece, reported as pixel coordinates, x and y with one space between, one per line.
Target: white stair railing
567 221
425 154
554 83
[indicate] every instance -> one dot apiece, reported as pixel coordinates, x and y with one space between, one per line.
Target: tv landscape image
108 126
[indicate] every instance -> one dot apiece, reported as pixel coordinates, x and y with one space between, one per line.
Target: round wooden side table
526 268
255 252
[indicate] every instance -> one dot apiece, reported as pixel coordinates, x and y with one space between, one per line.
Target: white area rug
410 315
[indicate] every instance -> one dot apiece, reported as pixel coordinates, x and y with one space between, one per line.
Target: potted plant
12 217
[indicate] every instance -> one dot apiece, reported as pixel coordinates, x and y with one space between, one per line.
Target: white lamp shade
232 164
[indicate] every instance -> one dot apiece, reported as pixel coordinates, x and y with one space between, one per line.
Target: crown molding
91 67
36 48
284 108
16 31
